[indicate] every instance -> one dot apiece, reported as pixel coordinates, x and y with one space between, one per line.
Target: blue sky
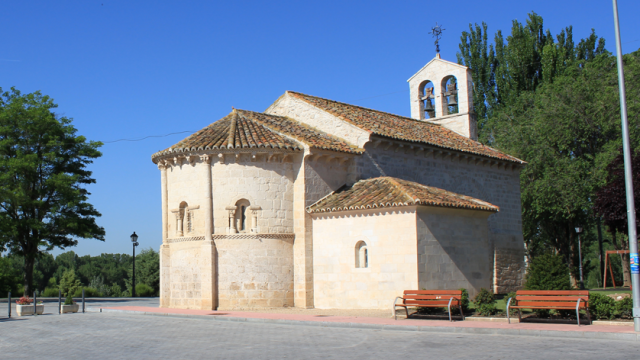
132 69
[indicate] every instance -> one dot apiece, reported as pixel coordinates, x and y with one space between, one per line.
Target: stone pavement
440 326
124 336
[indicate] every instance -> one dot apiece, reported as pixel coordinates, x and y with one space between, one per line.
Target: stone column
208 197
165 209
231 226
254 219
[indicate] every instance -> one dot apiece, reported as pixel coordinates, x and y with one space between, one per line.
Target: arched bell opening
427 100
450 95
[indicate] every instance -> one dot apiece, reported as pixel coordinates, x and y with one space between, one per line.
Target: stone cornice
178 156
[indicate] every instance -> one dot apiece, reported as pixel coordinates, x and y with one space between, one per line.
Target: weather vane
436 31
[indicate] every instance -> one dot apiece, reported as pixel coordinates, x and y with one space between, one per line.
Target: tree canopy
554 104
43 175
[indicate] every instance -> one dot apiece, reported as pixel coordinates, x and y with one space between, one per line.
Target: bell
431 113
428 105
452 101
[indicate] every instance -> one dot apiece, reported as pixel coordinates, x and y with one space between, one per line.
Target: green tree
70 284
43 200
9 277
529 57
568 131
147 270
547 272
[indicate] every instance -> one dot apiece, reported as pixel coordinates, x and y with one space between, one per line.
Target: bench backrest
560 298
431 297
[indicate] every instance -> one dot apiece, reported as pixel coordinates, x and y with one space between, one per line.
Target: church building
318 203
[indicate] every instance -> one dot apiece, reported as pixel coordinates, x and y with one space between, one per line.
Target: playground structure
606 261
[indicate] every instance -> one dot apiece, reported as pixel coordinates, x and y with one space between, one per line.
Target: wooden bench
552 300
429 298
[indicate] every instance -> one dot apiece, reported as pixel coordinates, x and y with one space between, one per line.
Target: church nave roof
384 192
247 129
403 128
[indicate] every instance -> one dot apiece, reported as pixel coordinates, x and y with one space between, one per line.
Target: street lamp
134 240
579 231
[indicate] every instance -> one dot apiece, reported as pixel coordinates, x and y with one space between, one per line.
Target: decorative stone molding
183 239
236 237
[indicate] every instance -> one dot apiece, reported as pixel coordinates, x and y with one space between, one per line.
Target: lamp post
134 240
579 231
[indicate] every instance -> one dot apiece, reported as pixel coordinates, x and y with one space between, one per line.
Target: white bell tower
442 93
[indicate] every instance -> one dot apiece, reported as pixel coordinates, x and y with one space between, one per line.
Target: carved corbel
419 150
400 146
376 143
254 157
221 158
205 159
389 145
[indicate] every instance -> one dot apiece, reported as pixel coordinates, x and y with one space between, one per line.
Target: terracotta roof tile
383 192
403 128
311 136
248 129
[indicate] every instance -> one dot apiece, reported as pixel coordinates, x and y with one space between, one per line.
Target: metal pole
600 246
35 303
628 179
580 258
59 301
133 284
83 300
9 304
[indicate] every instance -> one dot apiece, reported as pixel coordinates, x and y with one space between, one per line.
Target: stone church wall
255 272
265 184
454 250
500 187
390 239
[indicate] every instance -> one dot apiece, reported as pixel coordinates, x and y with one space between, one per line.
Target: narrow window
361 255
240 217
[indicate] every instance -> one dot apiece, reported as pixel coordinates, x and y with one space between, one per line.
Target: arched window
242 216
427 100
362 255
450 92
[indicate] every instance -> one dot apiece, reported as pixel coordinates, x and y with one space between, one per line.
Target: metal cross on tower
436 32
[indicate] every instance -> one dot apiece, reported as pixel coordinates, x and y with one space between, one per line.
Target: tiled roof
383 192
302 132
248 129
403 128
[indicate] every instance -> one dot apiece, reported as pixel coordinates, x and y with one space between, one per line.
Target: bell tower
442 93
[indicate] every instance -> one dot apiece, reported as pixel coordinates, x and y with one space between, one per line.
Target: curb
431 329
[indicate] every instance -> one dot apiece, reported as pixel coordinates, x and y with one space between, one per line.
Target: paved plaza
115 336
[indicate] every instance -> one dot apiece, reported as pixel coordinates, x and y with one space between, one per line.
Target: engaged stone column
208 197
254 219
165 210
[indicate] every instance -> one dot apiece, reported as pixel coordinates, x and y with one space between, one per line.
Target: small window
361 255
242 207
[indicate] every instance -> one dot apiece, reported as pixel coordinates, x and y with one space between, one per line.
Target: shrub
464 300
485 302
144 290
601 306
623 308
69 300
50 292
88 292
69 284
547 272
116 290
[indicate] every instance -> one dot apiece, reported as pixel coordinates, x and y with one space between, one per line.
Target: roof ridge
400 187
232 129
365 108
